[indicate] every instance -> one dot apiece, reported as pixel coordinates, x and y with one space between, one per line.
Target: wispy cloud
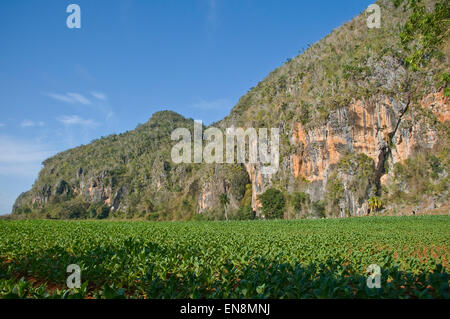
21 158
60 97
20 163
79 98
76 120
6 202
28 123
70 98
99 96
110 115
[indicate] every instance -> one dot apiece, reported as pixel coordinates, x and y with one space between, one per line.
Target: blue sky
62 87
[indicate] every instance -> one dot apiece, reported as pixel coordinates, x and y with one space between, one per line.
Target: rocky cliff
348 95
356 122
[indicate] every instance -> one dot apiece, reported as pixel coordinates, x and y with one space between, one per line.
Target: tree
102 212
424 31
273 203
374 204
149 206
92 213
245 213
298 200
224 201
318 208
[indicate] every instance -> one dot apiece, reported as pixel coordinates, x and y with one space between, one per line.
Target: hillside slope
356 120
128 175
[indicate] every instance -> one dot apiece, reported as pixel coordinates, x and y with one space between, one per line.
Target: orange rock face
419 134
369 127
438 104
257 184
364 128
359 129
407 140
205 197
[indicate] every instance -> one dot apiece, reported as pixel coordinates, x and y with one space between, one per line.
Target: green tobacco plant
247 259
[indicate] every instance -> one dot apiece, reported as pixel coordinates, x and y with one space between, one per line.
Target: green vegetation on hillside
132 176
273 203
425 30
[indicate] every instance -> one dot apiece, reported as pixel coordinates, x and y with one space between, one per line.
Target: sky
61 87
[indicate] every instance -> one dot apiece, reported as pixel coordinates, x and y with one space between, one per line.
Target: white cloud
110 115
99 96
20 163
6 202
76 120
21 158
28 123
70 98
79 98
60 97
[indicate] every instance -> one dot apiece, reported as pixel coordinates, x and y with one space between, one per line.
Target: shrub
102 212
374 204
152 216
245 213
273 203
299 199
92 213
318 208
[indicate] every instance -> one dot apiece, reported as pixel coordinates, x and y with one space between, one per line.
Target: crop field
255 259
